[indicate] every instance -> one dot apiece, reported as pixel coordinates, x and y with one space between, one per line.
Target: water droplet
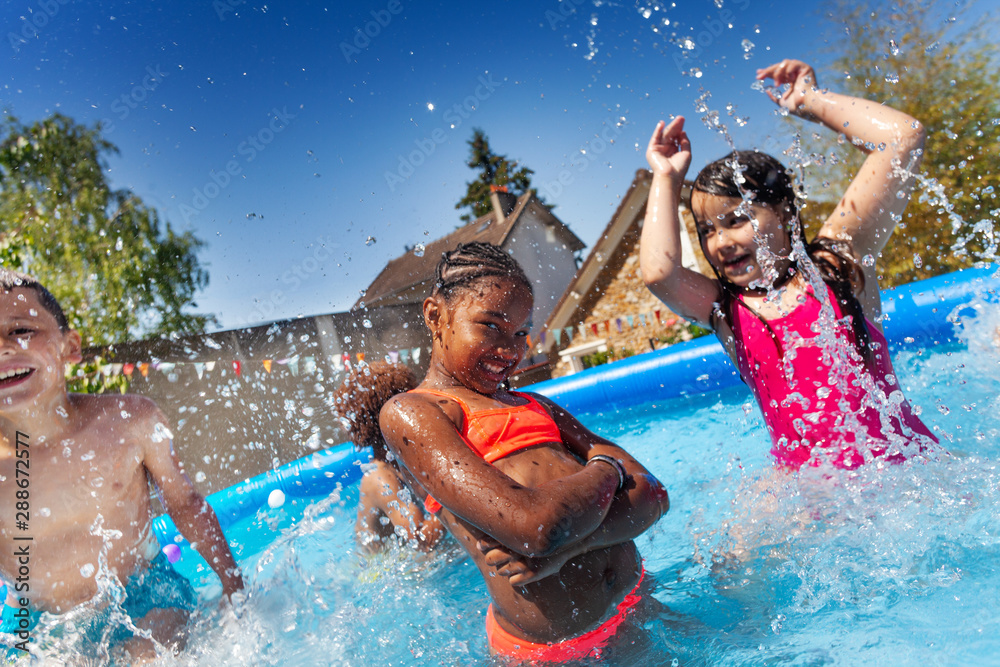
87 571
367 324
418 250
370 241
45 511
97 482
200 477
748 50
918 261
868 260
118 244
892 77
893 47
88 456
695 72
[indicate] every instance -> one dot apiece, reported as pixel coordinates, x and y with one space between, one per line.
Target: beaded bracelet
619 468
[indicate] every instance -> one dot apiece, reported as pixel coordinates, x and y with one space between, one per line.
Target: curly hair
470 262
365 390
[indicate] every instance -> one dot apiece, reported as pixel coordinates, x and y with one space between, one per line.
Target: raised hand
800 78
669 150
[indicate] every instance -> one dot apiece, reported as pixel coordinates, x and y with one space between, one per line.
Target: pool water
896 564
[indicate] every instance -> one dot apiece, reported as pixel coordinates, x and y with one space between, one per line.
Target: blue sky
306 152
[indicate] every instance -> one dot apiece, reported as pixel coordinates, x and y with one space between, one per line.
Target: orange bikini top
499 432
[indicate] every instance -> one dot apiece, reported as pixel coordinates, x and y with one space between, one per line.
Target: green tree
941 68
118 270
493 170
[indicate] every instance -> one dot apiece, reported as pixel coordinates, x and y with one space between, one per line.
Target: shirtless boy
79 464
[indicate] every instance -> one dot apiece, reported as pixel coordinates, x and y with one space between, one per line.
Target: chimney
503 202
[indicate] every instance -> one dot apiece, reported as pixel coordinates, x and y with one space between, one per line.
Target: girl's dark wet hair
470 262
360 399
769 182
10 280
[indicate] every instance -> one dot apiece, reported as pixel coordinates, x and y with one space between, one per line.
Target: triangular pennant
116 369
642 319
338 362
167 367
618 323
361 356
144 369
631 321
416 355
293 365
558 334
199 368
541 337
593 327
569 334
583 330
209 366
267 365
607 326
529 342
128 369
393 356
404 355
237 367
657 312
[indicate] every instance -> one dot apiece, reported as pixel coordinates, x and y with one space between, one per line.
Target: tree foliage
942 69
118 270
493 170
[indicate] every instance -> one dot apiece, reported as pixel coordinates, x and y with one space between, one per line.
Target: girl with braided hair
800 320
546 509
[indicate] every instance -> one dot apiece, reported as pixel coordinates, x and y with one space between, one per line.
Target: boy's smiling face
33 351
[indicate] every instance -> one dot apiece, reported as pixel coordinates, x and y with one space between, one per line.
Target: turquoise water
886 565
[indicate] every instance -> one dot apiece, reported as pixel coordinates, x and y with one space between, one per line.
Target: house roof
407 278
629 212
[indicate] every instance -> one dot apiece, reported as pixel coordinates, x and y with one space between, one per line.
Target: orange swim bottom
586 645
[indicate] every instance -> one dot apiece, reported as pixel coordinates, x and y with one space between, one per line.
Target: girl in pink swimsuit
800 320
547 510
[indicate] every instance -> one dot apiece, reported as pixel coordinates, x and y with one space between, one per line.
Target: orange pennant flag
267 365
144 369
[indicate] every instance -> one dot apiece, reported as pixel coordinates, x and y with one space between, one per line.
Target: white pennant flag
199 368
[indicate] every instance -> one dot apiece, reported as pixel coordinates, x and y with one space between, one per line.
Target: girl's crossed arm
534 521
639 505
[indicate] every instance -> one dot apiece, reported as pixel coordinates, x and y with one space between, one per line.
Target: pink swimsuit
822 403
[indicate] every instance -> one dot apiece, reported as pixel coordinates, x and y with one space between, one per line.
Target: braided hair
771 183
470 262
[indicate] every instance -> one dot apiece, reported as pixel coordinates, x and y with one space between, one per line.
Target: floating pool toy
172 552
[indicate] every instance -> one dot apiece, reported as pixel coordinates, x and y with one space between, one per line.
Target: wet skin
549 534
90 459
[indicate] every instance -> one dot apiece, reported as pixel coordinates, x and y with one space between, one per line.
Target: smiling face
729 241
33 351
480 334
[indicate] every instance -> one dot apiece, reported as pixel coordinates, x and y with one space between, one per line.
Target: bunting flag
393 356
416 355
167 367
618 323
128 369
541 337
209 366
593 327
293 365
116 369
529 341
642 318
144 369
404 355
238 367
267 365
361 356
558 334
199 368
569 334
338 362
607 326
631 321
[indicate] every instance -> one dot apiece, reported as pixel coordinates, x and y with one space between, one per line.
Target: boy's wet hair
769 182
360 399
469 262
10 280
